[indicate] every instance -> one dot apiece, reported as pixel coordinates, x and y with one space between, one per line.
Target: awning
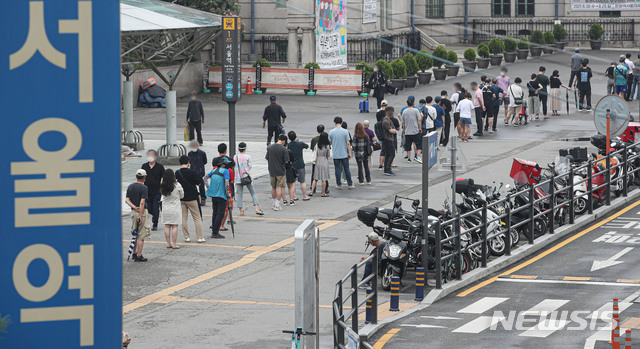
148 15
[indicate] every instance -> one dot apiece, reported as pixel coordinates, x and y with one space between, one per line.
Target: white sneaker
187 239
201 240
418 160
277 208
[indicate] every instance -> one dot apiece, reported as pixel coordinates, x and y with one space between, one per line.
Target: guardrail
340 317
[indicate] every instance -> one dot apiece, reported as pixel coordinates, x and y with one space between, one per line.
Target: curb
502 262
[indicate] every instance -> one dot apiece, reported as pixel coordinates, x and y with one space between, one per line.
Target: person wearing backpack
621 73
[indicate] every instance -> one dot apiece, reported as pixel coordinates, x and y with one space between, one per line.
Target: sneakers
418 160
380 168
351 187
276 208
390 173
155 227
201 240
408 160
339 187
217 236
361 183
187 239
478 134
369 183
139 258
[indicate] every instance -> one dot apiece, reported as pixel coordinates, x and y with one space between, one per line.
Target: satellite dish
619 111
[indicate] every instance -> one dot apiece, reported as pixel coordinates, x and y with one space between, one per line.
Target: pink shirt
503 83
478 102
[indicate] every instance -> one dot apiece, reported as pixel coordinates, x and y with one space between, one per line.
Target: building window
610 14
501 8
434 9
525 8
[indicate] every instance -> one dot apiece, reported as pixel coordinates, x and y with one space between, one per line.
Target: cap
272 98
223 160
242 146
577 49
411 97
373 236
384 102
438 99
141 173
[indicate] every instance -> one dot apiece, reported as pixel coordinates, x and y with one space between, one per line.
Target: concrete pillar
127 101
308 45
292 49
171 123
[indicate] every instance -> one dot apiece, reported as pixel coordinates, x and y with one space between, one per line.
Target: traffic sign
61 256
231 64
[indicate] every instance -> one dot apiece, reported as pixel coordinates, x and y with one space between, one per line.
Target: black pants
444 140
574 74
364 162
203 191
390 154
379 101
153 206
627 95
197 127
584 93
543 102
479 115
274 131
219 206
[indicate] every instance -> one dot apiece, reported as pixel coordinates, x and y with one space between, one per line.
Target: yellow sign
229 24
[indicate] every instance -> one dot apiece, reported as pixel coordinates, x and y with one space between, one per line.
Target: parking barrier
367 319
419 284
394 303
627 339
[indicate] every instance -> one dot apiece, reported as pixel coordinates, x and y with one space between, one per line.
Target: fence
387 47
615 29
274 48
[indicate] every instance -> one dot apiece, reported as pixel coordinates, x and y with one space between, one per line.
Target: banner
605 5
369 11
331 34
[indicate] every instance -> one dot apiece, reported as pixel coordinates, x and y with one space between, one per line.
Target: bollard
369 307
419 284
394 303
616 309
627 339
616 335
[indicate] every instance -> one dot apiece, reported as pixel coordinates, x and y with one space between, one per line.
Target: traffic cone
627 339
249 90
616 335
616 309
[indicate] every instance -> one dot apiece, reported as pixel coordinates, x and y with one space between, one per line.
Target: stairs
427 41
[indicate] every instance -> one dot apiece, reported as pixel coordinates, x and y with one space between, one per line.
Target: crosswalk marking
482 305
607 309
545 328
547 325
479 324
547 305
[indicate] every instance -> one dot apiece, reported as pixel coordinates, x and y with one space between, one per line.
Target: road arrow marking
601 264
422 326
440 317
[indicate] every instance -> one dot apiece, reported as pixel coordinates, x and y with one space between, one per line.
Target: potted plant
399 73
440 58
452 68
496 47
595 34
386 68
510 46
483 52
424 63
412 68
263 64
537 41
549 41
523 48
367 69
469 62
560 34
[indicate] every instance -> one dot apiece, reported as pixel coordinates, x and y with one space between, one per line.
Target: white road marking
607 310
482 305
592 283
545 328
546 306
422 326
548 324
478 325
601 264
440 317
605 335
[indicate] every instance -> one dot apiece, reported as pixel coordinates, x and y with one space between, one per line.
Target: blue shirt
217 188
339 138
620 72
438 121
496 91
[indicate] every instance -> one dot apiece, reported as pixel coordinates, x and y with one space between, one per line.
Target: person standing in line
172 193
154 171
277 156
378 82
190 181
503 81
487 99
635 85
478 104
630 68
274 116
244 179
218 191
297 148
621 73
346 127
438 123
412 128
445 103
584 86
458 95
515 93
533 102
321 169
339 138
197 162
465 108
389 130
556 95
495 106
291 177
314 142
611 79
575 64
373 141
430 115
222 152
381 115
136 198
195 117
362 150
543 80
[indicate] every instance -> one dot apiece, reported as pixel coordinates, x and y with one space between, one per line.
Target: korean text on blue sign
61 256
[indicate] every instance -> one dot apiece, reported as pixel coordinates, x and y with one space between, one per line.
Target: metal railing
275 49
340 316
615 29
386 47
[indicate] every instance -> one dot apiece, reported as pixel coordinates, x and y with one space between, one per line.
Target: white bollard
127 101
171 123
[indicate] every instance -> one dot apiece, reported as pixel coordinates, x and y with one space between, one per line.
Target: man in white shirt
411 125
516 97
631 67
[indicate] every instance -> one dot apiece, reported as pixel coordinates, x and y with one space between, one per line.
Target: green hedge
496 46
364 66
523 44
452 57
510 44
439 56
549 38
399 69
483 50
559 32
424 61
311 64
536 37
263 63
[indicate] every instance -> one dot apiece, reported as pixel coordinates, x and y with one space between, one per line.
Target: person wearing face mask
154 171
503 81
195 117
378 82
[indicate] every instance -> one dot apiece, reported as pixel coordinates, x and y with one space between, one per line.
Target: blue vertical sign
432 156
61 255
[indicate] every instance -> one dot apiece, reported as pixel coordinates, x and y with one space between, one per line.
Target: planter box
398 83
483 63
411 81
560 45
496 60
424 77
469 66
595 44
548 50
510 57
536 51
523 54
452 69
440 73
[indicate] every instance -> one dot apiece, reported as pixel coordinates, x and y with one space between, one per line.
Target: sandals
175 247
325 195
307 199
224 229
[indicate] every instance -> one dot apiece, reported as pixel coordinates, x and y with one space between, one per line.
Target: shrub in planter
510 44
386 68
399 69
424 61
559 32
411 63
483 52
365 67
439 56
452 69
263 63
311 64
537 41
523 48
595 34
496 47
549 41
470 54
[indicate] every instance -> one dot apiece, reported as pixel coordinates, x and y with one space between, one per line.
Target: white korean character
83 281
52 164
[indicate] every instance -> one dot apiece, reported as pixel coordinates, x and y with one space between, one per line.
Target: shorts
505 101
301 174
515 110
415 139
383 151
278 181
144 230
465 121
621 88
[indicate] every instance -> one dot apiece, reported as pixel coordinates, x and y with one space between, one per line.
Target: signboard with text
231 67
331 34
61 255
604 5
369 11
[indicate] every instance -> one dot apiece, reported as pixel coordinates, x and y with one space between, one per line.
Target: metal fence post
354 297
438 256
625 171
552 202
608 179
590 186
458 249
484 236
374 287
531 213
367 315
508 224
572 213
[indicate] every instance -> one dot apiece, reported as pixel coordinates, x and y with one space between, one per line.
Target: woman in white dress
171 192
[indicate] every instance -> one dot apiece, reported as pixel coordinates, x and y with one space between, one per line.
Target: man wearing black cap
275 116
218 191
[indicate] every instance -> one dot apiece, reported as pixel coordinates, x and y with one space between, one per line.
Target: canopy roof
147 15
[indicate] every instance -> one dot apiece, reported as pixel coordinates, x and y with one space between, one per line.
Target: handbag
186 134
245 180
314 154
376 146
516 100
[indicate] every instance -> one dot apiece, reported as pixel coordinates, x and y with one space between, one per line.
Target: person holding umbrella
218 191
136 197
556 94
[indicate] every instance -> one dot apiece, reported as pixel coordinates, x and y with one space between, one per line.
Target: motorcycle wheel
515 237
497 246
580 205
562 216
386 278
539 228
450 272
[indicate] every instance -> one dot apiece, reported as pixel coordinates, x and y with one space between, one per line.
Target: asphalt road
557 299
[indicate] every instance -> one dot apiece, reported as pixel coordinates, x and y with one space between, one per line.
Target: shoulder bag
516 100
